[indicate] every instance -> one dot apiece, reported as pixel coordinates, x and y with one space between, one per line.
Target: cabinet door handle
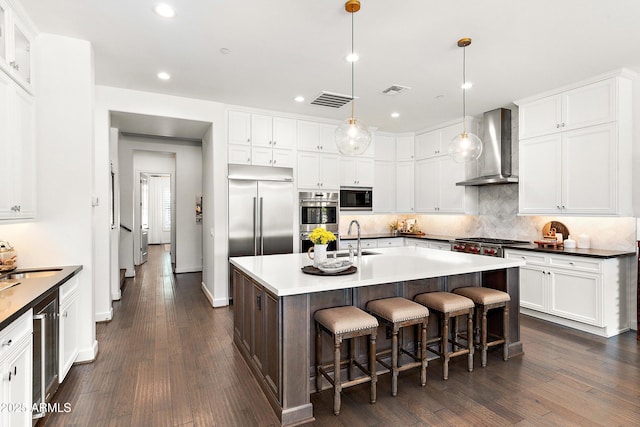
558 206
248 139
248 159
321 147
558 126
259 302
274 142
65 314
571 263
563 125
564 207
7 343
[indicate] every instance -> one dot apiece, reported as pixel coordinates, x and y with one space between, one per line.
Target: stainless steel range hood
494 164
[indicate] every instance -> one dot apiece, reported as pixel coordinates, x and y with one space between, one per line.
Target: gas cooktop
492 241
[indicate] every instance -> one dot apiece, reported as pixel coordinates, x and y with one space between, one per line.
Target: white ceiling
283 48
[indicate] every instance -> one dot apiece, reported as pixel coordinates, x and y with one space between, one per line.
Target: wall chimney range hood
494 164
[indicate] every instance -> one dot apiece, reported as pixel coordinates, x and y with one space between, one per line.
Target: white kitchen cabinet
583 106
17 142
572 172
258 139
68 325
436 142
390 242
317 137
431 244
16 371
585 293
15 47
384 187
316 170
576 150
356 171
264 156
436 190
404 148
404 187
238 128
273 132
364 244
385 148
239 154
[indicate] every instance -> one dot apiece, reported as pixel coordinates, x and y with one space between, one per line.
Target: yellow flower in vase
320 236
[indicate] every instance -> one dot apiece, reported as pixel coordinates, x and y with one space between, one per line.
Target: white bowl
334 266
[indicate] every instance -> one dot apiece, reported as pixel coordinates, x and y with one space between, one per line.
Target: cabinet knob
558 126
317 147
7 343
572 264
65 314
563 125
558 206
248 159
270 161
321 147
564 207
248 139
274 142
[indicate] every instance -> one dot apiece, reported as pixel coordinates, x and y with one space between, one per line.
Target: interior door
144 217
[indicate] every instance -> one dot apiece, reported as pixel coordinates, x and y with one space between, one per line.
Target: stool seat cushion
483 295
340 320
397 309
444 302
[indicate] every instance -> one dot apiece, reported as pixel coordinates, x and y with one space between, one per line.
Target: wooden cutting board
560 228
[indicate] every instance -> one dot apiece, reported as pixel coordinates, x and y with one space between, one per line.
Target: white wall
215 264
62 233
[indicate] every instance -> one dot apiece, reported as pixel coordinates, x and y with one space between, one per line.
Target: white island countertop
282 275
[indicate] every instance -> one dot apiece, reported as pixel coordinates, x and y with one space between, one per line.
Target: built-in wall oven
318 209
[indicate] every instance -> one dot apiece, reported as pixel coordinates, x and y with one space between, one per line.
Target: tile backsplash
497 217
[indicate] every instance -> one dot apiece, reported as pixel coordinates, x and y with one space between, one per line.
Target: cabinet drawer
391 242
576 263
368 244
531 258
10 335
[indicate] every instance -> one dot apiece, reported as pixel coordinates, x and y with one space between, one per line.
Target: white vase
319 254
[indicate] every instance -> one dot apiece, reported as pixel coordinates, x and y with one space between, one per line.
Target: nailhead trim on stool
487 299
448 306
342 323
398 313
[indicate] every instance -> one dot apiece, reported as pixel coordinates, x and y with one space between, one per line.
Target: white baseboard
117 296
195 269
88 354
105 316
215 302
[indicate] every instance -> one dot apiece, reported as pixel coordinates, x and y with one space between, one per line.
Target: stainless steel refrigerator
260 210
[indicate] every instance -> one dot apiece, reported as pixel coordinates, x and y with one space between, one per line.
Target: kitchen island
274 304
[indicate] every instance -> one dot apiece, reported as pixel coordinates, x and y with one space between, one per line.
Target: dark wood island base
274 334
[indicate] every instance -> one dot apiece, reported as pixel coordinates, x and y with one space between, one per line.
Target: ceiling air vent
331 100
395 89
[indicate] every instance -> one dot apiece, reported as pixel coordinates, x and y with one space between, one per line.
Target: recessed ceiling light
395 115
467 85
224 51
162 75
352 57
164 10
299 98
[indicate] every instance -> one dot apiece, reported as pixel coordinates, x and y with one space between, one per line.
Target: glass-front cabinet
15 46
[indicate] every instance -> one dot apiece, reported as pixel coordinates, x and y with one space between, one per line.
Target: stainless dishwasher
45 352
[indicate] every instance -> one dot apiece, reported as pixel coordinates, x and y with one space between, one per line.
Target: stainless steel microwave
356 198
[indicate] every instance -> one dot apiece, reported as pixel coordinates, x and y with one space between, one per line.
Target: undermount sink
35 274
346 254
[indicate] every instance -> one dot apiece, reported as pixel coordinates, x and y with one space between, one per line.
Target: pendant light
465 147
352 136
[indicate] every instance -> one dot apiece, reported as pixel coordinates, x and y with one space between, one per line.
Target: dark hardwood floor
167 359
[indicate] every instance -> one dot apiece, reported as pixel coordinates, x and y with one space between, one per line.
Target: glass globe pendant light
352 136
465 147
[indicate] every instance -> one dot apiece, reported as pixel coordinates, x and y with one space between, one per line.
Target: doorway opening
156 212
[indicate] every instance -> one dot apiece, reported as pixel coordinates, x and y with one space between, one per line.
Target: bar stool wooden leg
470 340
318 357
394 362
505 332
372 366
445 346
337 386
352 352
423 354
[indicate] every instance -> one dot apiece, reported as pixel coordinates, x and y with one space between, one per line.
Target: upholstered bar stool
342 323
449 306
487 299
397 313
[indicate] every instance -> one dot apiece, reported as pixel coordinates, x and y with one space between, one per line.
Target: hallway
167 359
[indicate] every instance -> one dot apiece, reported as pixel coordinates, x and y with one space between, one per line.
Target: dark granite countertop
16 300
389 235
592 253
